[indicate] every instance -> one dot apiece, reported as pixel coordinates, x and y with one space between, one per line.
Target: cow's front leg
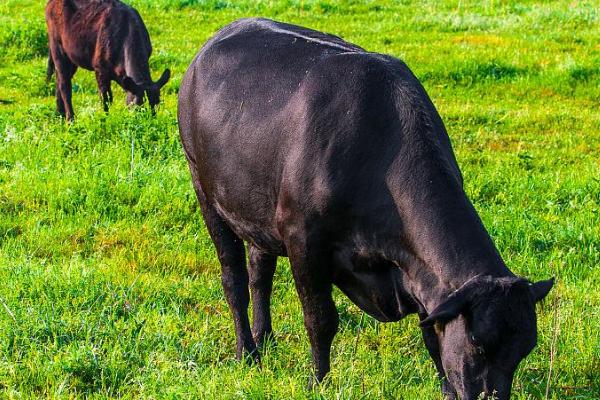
60 105
103 80
431 342
262 269
312 276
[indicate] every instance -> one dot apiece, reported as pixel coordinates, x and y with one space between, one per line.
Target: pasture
109 283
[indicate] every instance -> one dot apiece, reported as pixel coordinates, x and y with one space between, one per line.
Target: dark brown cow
104 36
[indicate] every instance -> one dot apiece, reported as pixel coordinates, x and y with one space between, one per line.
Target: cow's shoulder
363 96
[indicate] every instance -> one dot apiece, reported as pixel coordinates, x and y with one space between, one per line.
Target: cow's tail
49 67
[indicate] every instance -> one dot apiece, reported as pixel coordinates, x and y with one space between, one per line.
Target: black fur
306 146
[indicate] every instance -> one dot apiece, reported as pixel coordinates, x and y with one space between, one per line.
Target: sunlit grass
109 285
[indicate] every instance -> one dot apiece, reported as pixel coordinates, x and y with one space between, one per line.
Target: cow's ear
448 310
164 78
540 289
129 85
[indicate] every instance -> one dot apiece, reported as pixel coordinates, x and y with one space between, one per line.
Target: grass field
109 284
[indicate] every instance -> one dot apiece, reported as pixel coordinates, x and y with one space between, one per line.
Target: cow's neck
442 231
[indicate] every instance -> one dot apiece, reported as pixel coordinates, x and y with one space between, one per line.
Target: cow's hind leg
234 275
64 83
65 70
311 268
262 269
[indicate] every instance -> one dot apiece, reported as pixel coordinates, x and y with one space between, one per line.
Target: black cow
306 146
104 36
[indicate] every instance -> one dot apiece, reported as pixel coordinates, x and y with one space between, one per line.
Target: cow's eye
474 341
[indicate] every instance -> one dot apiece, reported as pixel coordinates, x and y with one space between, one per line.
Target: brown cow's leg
65 87
54 52
431 342
313 283
60 105
64 72
103 79
262 269
234 275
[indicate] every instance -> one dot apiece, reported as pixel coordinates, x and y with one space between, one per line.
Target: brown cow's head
135 92
484 330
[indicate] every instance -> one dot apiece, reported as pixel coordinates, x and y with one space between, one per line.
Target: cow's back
245 77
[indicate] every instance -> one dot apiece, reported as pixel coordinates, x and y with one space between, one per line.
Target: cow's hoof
314 382
449 396
265 341
252 357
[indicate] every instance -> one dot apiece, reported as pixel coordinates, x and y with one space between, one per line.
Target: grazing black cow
306 146
104 36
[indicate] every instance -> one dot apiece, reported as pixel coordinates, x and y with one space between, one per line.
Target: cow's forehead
503 320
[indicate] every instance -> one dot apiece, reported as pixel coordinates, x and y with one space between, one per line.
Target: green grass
109 283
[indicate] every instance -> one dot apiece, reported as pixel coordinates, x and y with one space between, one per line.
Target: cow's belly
254 228
375 286
82 60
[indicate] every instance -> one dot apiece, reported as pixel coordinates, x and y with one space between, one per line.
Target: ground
109 284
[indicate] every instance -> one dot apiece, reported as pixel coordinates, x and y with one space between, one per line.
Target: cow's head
135 92
484 330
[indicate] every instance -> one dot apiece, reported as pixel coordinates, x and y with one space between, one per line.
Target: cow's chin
489 386
470 374
480 388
